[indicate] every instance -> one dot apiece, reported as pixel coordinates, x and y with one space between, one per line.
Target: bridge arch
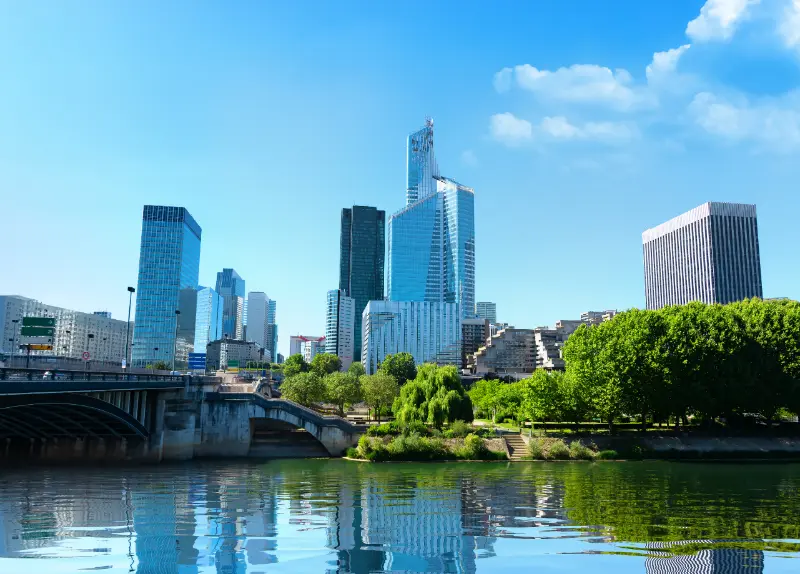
50 416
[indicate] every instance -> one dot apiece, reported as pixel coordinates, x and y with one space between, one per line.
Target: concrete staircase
517 449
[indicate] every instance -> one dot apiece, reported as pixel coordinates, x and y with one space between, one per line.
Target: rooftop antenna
428 122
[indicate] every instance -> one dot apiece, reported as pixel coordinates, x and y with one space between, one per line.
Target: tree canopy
304 388
294 364
325 363
356 369
379 390
435 396
342 389
401 366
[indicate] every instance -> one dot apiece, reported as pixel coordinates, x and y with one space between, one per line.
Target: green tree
325 364
342 389
435 396
401 366
161 366
294 365
540 398
356 369
379 390
304 388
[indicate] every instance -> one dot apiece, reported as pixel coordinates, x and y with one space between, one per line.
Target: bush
414 427
607 455
384 429
535 449
557 450
577 451
352 453
416 447
459 429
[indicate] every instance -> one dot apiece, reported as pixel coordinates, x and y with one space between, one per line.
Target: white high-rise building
258 319
430 331
74 332
708 254
340 326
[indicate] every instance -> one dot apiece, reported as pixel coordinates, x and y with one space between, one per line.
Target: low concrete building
220 354
509 351
474 335
549 343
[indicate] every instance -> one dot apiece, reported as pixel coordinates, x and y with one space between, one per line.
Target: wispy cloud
718 19
509 129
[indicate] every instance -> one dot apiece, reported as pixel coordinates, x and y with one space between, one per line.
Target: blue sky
579 124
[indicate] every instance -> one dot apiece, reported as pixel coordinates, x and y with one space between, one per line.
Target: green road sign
37 331
38 322
234 364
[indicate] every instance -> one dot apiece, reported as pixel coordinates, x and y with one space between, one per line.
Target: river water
339 516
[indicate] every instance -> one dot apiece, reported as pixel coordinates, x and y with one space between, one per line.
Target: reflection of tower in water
707 561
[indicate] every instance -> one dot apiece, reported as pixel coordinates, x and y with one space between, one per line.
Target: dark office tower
169 260
363 245
231 288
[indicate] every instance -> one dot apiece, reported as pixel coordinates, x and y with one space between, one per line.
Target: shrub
607 455
535 449
416 447
460 429
352 453
557 450
414 427
384 429
577 451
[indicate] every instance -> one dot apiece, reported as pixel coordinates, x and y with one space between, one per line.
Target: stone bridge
54 415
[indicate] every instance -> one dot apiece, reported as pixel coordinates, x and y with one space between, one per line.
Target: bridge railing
20 374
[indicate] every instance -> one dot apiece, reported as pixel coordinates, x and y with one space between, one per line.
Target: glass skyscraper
421 168
361 259
169 260
432 248
208 320
273 329
231 288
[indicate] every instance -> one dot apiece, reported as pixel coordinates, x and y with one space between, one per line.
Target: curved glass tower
421 165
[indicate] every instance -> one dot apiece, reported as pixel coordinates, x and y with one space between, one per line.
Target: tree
342 389
356 369
304 388
401 366
540 400
435 396
379 390
294 365
161 366
325 364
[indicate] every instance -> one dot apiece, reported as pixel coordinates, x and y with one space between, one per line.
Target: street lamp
89 337
155 354
175 343
125 362
14 340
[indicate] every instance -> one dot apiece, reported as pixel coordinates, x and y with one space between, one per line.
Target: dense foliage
379 390
707 361
434 397
342 389
294 365
401 366
408 447
304 388
325 364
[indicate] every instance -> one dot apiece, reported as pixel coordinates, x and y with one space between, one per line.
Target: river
338 516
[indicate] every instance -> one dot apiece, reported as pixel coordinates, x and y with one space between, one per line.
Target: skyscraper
430 331
361 259
708 254
169 260
231 288
432 248
208 320
272 327
486 310
340 326
421 167
257 316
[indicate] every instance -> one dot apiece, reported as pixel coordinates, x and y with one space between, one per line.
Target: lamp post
175 343
127 359
14 340
89 337
153 365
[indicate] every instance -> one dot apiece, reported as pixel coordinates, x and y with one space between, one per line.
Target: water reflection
334 516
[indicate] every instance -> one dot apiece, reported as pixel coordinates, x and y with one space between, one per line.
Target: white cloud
718 19
580 83
502 80
665 63
608 132
509 129
469 158
772 123
790 26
